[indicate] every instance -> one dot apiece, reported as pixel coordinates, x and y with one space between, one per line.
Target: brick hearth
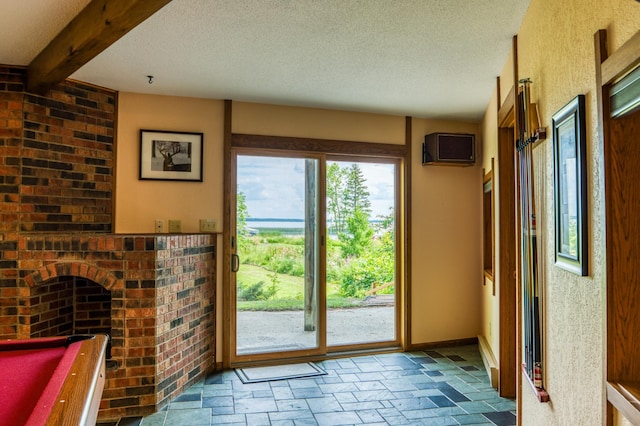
162 297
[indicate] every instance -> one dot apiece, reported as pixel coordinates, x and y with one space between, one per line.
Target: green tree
358 237
336 178
242 214
376 265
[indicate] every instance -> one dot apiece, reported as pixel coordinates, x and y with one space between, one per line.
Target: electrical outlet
159 226
175 226
207 225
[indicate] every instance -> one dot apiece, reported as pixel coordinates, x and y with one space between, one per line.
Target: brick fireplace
63 270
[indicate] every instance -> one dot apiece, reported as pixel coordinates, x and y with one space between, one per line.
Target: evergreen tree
356 192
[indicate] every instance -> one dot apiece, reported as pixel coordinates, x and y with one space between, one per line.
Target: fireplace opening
70 305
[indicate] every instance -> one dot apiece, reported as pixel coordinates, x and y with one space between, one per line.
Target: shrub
255 291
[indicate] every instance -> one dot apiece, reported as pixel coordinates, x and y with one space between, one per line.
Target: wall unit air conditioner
449 149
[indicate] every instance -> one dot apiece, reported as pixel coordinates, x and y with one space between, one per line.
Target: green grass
292 305
290 292
289 287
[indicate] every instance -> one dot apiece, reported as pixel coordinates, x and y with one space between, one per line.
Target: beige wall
446 200
555 49
261 119
490 327
140 202
446 239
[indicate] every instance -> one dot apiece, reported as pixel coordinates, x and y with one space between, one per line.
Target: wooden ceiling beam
100 24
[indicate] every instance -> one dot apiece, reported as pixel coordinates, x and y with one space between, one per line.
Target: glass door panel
278 279
361 252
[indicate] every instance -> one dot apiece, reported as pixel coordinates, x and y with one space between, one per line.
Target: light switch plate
175 226
207 225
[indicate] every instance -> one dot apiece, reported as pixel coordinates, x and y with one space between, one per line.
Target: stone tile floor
446 386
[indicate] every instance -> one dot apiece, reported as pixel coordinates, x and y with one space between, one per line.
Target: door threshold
343 353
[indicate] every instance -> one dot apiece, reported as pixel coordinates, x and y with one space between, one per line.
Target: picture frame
167 155
570 187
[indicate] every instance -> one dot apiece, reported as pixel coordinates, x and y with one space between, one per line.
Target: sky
274 186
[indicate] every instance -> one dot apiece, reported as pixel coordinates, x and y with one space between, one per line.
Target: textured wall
555 49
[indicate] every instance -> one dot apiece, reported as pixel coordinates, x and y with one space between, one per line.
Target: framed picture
170 155
569 159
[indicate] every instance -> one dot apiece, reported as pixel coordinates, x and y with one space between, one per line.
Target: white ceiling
423 58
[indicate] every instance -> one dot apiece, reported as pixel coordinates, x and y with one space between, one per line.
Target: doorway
314 268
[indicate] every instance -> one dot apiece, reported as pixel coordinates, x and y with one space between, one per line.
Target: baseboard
442 344
489 361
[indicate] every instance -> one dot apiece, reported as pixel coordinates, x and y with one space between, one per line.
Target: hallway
445 386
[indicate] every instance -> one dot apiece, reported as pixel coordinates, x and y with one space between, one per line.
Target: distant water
272 223
275 223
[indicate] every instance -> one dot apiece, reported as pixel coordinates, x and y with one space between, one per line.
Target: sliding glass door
314 267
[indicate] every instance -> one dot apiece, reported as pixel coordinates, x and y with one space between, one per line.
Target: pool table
52 381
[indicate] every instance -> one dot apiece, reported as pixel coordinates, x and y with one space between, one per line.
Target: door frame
306 146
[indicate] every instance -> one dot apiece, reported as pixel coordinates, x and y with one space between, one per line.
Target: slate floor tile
255 405
454 395
188 397
336 419
155 419
217 401
293 404
503 418
448 386
194 417
323 405
369 416
307 393
441 401
414 404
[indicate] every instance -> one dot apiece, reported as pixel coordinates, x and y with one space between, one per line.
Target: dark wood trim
507 267
367 149
444 344
505 112
540 394
405 339
489 227
114 166
601 54
317 148
508 296
228 195
514 305
620 175
625 397
100 24
622 60
498 96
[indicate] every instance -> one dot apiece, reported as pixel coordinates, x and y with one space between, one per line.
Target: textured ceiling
423 58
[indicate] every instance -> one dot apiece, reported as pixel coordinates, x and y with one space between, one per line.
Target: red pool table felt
32 375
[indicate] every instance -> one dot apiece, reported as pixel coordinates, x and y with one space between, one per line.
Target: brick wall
52 310
91 307
56 169
11 102
56 195
185 303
